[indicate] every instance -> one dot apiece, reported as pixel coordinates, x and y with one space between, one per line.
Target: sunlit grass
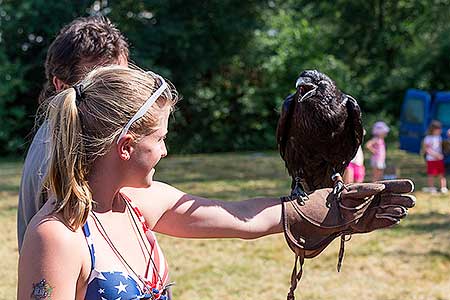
9 184
410 261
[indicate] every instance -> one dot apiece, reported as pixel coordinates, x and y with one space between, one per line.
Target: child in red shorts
435 157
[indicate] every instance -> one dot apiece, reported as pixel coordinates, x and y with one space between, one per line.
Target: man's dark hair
80 46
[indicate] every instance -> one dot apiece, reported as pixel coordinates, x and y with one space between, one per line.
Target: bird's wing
284 123
355 122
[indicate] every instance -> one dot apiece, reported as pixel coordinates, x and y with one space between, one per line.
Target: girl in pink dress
355 171
377 147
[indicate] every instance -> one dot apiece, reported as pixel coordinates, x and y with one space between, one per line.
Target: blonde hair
84 128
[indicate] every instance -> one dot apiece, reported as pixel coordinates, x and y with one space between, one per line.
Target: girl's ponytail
66 177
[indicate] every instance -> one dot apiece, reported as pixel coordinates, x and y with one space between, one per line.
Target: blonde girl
93 239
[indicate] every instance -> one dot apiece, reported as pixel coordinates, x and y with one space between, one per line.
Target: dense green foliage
234 61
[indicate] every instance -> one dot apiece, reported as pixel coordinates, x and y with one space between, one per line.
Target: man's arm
33 173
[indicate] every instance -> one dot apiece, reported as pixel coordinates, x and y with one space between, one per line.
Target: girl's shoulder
431 138
54 252
371 140
154 201
377 140
47 227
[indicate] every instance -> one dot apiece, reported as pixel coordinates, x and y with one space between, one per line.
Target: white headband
145 107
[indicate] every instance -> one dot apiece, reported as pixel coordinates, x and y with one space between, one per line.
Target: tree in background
201 46
26 30
235 61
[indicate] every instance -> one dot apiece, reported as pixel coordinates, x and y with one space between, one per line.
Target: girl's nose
163 150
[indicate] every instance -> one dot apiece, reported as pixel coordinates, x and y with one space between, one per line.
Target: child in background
356 171
434 157
377 147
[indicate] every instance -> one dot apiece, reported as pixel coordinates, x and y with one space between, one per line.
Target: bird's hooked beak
305 87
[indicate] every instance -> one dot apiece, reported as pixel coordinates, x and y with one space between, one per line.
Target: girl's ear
125 147
59 84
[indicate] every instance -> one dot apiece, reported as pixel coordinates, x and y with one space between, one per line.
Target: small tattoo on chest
41 290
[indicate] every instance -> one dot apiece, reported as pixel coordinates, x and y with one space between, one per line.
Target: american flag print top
118 285
160 270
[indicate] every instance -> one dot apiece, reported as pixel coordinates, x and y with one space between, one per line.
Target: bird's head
312 83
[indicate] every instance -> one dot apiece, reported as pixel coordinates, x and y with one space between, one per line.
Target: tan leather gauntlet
310 226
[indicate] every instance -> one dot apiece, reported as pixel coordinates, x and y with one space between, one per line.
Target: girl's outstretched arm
173 212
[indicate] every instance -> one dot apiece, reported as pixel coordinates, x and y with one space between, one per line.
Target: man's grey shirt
33 173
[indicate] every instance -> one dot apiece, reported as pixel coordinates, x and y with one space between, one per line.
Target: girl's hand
448 133
438 156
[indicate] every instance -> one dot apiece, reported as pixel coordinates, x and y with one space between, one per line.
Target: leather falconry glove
310 226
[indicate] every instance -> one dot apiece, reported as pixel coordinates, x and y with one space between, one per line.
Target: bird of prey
318 133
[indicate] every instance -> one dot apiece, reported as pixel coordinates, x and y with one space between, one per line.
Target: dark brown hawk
319 132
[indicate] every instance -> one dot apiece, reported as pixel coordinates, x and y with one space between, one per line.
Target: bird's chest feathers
319 122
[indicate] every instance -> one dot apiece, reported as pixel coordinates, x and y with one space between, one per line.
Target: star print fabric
115 285
112 286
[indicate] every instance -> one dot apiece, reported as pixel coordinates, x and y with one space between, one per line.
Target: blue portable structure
419 108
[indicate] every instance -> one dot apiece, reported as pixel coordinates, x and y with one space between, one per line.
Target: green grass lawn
410 261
